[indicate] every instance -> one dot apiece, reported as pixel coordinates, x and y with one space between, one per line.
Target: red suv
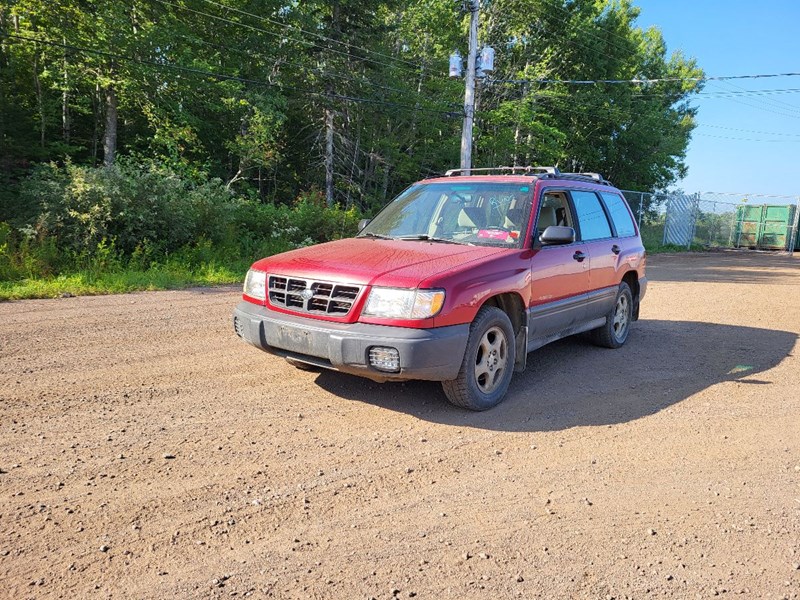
456 280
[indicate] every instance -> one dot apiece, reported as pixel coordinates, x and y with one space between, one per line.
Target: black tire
618 322
488 363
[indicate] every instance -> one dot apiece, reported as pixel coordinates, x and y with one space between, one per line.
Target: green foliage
83 206
7 266
652 233
224 113
320 223
162 277
715 229
307 221
242 92
99 226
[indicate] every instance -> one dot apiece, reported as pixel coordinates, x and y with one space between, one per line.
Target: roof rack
543 172
593 176
522 169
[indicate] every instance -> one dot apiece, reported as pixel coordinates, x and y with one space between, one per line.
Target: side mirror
556 234
363 223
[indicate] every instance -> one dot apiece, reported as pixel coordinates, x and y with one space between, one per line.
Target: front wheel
488 363
618 322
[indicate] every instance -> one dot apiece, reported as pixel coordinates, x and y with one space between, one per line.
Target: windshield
482 213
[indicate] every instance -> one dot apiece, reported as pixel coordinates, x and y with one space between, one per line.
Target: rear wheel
488 363
618 322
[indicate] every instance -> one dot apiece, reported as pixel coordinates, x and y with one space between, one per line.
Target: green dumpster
766 226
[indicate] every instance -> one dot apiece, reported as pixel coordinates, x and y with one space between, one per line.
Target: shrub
321 223
8 272
126 203
140 217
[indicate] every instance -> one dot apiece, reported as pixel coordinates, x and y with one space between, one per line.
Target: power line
723 94
782 113
312 33
738 139
542 12
558 6
577 41
277 35
773 101
224 77
282 61
750 130
586 107
574 41
756 106
700 95
647 81
734 93
568 103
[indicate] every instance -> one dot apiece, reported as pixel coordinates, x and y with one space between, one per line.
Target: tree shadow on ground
726 266
572 383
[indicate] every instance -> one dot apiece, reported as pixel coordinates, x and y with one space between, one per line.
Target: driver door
559 273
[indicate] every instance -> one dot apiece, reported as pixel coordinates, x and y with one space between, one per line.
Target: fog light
384 359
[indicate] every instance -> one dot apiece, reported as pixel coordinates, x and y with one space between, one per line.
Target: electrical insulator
456 67
486 63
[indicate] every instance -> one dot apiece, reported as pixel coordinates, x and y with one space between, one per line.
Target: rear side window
620 215
591 216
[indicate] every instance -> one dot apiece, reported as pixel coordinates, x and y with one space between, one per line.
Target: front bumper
432 354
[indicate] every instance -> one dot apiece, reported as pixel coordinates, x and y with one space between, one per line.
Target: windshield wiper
427 238
376 236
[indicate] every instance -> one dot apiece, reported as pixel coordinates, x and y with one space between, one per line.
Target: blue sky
747 143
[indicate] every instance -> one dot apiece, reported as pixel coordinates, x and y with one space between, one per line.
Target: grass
91 283
653 235
655 248
175 274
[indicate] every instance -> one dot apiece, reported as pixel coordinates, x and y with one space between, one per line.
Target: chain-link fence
717 220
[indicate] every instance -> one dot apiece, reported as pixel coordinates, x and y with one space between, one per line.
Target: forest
137 134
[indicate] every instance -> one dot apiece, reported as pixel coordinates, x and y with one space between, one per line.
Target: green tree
352 98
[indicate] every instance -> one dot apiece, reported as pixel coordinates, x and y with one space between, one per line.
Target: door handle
615 249
579 256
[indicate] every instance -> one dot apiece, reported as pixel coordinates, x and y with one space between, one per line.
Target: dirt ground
147 452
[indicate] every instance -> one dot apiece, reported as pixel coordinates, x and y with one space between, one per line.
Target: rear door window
592 218
618 209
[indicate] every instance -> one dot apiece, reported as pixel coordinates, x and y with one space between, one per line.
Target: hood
371 261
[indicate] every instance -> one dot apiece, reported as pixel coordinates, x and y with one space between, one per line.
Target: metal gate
680 220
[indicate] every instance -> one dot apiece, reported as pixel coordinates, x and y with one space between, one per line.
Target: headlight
255 284
393 303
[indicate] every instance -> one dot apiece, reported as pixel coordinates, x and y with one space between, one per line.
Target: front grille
311 296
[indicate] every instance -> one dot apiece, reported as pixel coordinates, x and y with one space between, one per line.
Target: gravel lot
146 452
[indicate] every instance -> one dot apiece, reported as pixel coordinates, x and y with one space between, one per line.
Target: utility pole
475 71
469 95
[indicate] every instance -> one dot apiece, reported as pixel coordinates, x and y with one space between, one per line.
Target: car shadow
572 383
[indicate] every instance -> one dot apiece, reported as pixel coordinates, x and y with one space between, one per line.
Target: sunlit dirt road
147 452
